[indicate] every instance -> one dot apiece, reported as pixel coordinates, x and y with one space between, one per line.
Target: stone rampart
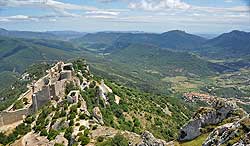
9 117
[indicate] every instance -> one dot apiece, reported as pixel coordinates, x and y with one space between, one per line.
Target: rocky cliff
206 116
236 134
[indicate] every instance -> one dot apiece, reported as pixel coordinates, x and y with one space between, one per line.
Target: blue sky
194 16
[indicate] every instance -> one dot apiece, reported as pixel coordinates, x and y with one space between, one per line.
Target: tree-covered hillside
17 54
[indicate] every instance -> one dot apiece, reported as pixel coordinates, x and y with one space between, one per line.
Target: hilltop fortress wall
41 92
11 117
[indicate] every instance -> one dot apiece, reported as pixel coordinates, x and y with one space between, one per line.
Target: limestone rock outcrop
149 140
239 131
98 115
206 116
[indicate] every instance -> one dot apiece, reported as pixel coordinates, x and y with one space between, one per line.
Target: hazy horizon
210 34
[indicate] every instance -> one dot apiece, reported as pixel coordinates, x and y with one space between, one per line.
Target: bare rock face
223 134
59 124
98 115
206 116
83 107
149 140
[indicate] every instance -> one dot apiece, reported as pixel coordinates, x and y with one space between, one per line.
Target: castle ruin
51 86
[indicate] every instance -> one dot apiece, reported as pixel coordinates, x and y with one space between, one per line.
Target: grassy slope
196 142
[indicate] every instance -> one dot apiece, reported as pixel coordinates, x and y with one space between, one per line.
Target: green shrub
29 119
71 123
94 127
68 133
44 132
100 139
84 140
137 122
119 140
82 128
58 144
18 104
52 134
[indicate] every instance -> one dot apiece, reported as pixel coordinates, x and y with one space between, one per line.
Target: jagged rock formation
206 116
232 133
149 140
98 115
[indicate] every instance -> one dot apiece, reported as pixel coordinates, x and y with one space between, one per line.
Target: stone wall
57 88
41 98
7 118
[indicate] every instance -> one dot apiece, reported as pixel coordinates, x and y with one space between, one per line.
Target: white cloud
61 9
178 5
57 6
103 12
157 5
44 3
16 17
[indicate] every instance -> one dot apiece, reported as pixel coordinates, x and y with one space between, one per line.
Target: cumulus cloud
156 5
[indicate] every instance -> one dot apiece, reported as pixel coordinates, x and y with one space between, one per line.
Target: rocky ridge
69 120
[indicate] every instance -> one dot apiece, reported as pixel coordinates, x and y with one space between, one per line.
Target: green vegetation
7 79
17 54
19 131
10 94
18 104
117 140
52 134
37 71
140 107
58 144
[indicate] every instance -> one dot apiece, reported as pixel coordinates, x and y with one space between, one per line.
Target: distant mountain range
21 48
175 39
228 45
56 35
